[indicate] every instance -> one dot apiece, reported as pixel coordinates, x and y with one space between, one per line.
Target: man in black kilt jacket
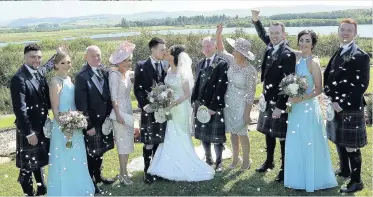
209 90
346 78
92 97
147 73
30 98
279 61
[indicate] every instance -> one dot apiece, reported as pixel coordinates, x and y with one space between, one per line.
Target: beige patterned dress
240 92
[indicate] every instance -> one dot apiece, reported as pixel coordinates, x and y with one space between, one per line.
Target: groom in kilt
279 61
209 90
149 72
346 78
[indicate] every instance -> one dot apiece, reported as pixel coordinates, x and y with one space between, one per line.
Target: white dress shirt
346 47
211 60
276 47
159 64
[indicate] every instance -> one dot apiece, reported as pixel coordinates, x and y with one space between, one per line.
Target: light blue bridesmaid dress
307 159
68 173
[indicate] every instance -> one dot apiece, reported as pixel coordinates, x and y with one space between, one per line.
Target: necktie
340 50
100 77
157 68
271 51
37 77
208 64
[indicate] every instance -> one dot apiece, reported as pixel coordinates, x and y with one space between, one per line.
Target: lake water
364 31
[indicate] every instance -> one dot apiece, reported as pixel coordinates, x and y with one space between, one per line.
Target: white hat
123 52
243 46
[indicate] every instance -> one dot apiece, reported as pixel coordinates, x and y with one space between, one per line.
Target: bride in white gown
176 159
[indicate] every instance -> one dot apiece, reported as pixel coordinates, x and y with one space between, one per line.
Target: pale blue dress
68 173
307 159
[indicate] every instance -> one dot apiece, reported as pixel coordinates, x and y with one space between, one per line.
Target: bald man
92 97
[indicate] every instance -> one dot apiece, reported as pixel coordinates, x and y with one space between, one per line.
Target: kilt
348 129
151 132
98 144
213 131
30 157
272 127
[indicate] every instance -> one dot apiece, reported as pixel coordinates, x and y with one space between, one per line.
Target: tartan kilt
151 132
98 144
30 157
213 131
348 129
272 127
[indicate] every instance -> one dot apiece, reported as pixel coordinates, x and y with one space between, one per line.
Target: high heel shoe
123 180
247 168
234 166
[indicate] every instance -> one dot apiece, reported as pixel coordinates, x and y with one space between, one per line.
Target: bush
11 56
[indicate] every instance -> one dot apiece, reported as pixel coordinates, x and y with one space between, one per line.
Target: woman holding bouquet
120 87
176 159
68 171
307 160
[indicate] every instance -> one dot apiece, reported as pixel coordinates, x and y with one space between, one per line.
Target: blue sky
11 10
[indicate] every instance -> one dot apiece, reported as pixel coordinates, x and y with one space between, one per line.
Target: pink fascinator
123 52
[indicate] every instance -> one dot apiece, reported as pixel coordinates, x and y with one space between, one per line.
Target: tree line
362 16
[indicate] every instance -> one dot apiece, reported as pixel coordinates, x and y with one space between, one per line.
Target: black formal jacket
281 66
346 83
145 78
90 98
216 85
30 100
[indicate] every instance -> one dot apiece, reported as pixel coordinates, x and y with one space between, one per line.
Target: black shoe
106 181
97 189
148 179
28 190
219 167
159 178
265 166
280 176
341 173
42 190
352 187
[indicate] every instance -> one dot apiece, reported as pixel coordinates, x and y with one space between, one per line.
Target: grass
229 182
7 121
18 37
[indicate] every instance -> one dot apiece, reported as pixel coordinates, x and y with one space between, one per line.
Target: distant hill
108 19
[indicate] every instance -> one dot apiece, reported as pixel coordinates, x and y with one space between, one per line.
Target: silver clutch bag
107 127
47 129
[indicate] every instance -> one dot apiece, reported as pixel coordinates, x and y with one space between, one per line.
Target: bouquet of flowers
71 122
160 98
326 107
293 86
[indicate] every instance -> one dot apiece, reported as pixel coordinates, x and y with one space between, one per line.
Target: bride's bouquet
71 122
160 98
294 86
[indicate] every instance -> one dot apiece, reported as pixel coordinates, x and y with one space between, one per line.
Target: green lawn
7 121
18 37
229 182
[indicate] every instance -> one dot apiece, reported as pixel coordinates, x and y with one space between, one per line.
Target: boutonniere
214 65
347 58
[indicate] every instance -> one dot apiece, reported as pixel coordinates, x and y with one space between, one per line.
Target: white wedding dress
176 159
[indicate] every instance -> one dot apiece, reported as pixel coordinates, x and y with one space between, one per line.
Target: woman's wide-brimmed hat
122 53
243 46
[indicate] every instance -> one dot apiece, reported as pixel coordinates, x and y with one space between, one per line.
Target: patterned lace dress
240 92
